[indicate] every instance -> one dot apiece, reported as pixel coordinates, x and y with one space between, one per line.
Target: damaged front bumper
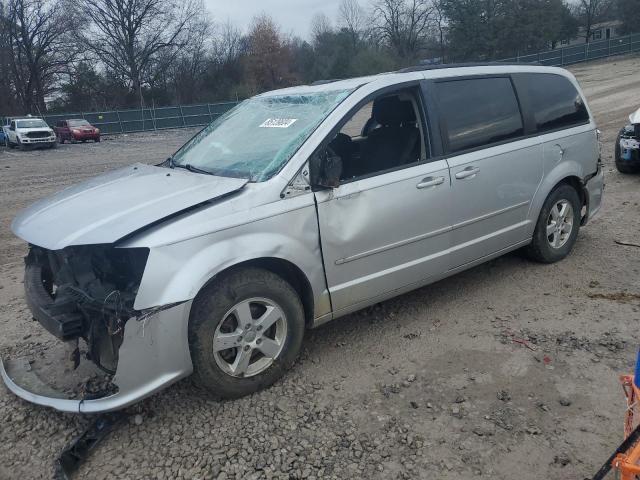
154 354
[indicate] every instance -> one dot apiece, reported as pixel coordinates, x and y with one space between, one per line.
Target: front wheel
245 332
557 227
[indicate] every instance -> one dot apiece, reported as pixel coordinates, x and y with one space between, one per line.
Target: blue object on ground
636 374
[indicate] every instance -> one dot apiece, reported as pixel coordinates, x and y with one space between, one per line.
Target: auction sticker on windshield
278 122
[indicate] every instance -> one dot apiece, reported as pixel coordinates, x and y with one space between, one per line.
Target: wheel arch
568 173
286 270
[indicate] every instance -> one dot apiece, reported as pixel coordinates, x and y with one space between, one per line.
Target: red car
75 130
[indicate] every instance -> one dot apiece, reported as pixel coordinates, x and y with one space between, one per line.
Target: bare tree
440 24
227 44
38 39
6 101
188 69
352 18
131 37
320 26
592 12
404 24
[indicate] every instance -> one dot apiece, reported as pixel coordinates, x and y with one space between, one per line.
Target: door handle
430 182
468 172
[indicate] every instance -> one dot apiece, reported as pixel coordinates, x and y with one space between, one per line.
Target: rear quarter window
554 101
478 112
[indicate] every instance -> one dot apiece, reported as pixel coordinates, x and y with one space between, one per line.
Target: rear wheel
557 227
245 332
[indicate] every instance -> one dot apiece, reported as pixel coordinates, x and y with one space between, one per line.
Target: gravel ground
509 370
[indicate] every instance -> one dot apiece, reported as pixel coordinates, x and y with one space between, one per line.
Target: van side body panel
567 153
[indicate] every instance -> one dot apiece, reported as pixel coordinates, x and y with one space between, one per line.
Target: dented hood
635 117
111 206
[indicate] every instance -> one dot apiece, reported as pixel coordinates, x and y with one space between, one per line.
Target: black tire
53 145
60 139
540 249
626 168
22 146
208 311
97 140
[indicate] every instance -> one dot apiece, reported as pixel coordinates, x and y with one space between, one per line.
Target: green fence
582 53
146 119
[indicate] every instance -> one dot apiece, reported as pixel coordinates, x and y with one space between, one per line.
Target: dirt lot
509 370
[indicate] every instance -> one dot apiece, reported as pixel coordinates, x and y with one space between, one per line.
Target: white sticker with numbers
278 122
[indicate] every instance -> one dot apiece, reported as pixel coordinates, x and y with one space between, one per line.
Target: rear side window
555 102
478 112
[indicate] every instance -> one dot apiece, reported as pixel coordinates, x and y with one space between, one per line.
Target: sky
294 16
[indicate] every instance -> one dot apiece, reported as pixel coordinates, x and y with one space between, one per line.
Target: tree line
88 55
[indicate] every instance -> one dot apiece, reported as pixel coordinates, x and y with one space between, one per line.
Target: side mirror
325 168
12 127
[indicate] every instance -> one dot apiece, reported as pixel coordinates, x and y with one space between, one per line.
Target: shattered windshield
256 138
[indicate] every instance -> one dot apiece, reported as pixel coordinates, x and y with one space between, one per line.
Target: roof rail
419 68
322 82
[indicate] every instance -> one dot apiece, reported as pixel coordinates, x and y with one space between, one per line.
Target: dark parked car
627 151
76 130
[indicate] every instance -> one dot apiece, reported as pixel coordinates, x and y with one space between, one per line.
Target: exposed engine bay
86 292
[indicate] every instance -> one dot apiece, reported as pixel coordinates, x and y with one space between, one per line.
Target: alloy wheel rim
250 337
560 224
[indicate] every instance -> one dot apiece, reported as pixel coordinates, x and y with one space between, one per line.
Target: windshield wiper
191 168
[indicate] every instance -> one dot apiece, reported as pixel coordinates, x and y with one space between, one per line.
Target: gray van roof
415 73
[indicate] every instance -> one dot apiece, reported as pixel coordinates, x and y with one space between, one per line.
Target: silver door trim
490 214
390 246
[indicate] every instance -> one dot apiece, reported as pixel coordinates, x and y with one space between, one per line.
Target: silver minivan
295 208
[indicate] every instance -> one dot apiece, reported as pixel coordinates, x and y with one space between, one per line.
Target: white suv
25 132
